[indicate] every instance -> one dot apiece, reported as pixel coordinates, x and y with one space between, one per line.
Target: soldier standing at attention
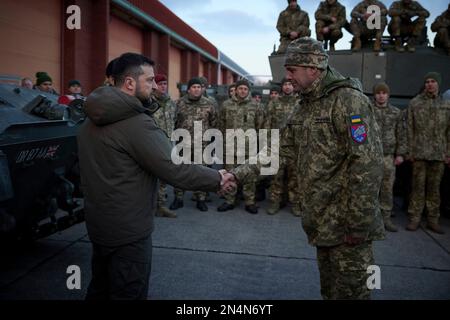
401 26
165 119
190 108
293 23
330 18
274 93
442 28
240 112
390 119
278 113
428 149
359 28
334 141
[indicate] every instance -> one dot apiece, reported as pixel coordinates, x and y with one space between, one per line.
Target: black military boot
251 208
225 207
176 204
201 205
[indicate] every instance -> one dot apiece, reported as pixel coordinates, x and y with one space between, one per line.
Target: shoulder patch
358 129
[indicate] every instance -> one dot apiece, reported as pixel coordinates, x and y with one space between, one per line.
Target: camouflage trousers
399 27
426 181
387 184
333 35
442 39
284 41
248 189
162 194
199 195
343 271
286 173
360 29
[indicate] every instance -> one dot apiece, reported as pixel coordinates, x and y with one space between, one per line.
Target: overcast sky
245 30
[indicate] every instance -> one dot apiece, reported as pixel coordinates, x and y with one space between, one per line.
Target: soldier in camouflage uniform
277 115
240 112
293 23
358 24
333 139
428 147
442 28
205 93
391 121
165 118
274 93
330 18
194 107
401 26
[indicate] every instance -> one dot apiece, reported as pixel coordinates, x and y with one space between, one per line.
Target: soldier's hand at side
293 35
333 19
326 30
398 160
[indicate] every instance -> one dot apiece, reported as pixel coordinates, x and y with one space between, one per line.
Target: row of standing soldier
293 23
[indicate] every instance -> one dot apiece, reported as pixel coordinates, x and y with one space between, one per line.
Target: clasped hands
228 182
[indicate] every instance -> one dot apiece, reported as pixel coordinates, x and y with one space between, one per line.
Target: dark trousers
122 272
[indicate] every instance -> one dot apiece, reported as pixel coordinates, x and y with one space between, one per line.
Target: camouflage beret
381 87
306 52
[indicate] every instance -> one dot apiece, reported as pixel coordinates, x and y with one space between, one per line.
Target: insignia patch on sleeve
358 129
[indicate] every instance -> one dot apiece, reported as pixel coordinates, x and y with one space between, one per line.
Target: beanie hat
285 80
242 82
160 77
275 88
42 77
381 87
306 52
194 81
74 83
434 75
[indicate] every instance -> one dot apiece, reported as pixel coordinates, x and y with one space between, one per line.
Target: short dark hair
129 64
109 68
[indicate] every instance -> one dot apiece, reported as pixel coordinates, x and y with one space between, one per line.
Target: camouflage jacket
278 111
392 125
293 20
443 21
241 114
428 128
334 140
399 9
165 115
325 12
188 111
361 9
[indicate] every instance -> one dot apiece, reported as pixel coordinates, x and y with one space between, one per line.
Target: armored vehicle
38 163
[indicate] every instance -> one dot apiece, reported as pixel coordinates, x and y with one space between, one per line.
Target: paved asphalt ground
232 255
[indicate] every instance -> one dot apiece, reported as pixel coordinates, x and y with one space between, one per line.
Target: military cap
74 83
306 52
160 77
243 82
194 81
381 87
435 76
42 77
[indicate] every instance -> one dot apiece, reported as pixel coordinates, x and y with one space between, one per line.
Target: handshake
228 183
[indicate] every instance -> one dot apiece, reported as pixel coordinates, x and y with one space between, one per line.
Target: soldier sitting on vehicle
293 23
442 28
44 83
401 25
330 18
359 24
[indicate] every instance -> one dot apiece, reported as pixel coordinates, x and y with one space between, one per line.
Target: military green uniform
393 134
165 119
359 26
324 15
277 114
333 139
402 26
241 114
442 28
428 144
189 110
292 20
